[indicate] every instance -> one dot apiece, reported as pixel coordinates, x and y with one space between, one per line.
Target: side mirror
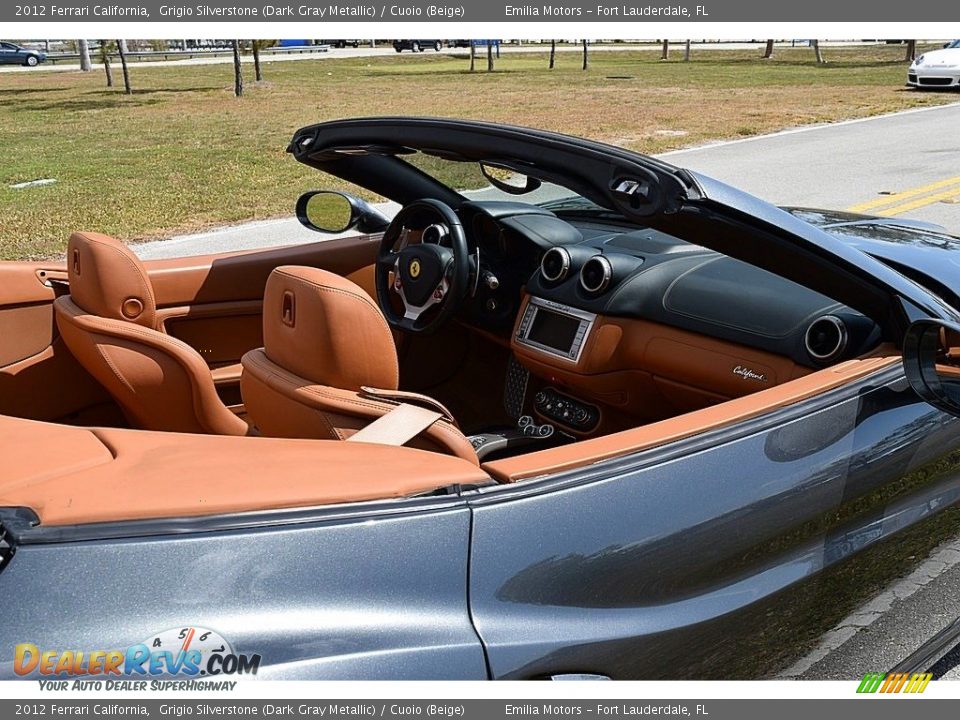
328 211
931 360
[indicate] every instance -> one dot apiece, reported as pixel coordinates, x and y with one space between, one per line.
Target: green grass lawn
182 153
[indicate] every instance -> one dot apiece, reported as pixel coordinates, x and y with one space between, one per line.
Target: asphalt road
906 164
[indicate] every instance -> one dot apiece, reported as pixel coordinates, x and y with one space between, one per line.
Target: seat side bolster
81 332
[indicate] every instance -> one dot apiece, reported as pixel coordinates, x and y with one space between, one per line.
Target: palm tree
817 53
256 46
686 52
665 51
122 50
553 53
489 56
586 59
105 59
911 51
237 71
83 47
257 73
473 56
768 50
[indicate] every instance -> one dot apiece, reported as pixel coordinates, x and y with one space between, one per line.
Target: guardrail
153 55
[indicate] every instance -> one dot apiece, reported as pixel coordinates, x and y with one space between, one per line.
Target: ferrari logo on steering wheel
414 269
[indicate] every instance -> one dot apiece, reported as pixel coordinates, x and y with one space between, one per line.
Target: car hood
948 57
923 251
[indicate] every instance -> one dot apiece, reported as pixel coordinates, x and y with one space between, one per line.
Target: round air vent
596 273
555 264
826 338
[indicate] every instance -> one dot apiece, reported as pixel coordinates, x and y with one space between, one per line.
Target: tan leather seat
109 322
329 365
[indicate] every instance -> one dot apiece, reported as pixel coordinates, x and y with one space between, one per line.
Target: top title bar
481 11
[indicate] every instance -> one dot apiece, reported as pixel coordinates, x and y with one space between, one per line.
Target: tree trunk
257 73
373 44
489 56
586 58
237 72
84 49
911 51
122 49
768 50
108 69
473 56
817 53
665 52
553 53
686 52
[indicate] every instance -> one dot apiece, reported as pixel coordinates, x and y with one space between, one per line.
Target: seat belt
397 427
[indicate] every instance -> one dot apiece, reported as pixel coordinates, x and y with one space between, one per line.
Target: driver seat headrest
327 329
107 280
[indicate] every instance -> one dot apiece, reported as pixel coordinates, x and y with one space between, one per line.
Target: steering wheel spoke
387 259
412 313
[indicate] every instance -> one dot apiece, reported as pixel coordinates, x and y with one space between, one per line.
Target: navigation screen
554 330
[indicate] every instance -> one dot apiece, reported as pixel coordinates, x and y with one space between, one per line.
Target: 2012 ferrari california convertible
572 411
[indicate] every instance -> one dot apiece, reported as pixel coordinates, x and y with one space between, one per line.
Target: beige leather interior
647 371
109 323
594 450
108 475
326 348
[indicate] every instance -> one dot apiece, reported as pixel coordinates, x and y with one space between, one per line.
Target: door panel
709 561
39 378
26 330
373 597
220 332
243 276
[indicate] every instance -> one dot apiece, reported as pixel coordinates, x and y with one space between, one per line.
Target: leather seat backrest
109 281
326 329
327 350
108 323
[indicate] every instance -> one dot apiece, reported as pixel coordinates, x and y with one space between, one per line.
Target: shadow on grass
32 91
108 99
107 103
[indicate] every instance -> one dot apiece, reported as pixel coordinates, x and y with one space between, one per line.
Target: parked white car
937 68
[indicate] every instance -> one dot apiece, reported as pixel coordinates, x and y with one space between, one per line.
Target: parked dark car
571 412
417 45
11 54
341 43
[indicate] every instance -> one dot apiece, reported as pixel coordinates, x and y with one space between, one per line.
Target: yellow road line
928 200
897 197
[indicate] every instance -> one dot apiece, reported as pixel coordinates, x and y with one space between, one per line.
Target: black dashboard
604 266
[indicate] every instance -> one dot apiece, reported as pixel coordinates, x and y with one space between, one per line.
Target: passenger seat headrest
108 280
327 329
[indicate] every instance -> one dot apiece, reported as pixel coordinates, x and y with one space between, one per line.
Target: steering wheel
425 275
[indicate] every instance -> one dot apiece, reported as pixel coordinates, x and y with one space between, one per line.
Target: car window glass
468 180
